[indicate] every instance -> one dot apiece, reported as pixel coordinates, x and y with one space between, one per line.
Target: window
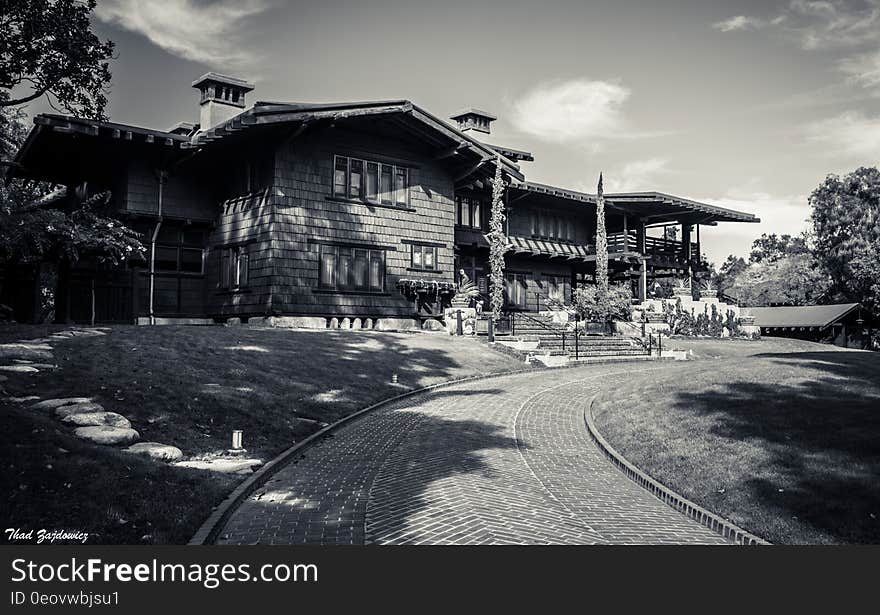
235 268
179 251
554 286
549 226
351 268
372 182
515 289
469 212
424 257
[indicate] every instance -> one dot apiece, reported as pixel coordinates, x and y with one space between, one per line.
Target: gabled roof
646 204
802 315
409 115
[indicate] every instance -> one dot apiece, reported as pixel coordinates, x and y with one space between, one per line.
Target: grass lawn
780 436
190 387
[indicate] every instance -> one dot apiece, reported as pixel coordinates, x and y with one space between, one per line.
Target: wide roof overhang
59 146
652 207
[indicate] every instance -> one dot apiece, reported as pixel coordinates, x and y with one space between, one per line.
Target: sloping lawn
780 436
190 387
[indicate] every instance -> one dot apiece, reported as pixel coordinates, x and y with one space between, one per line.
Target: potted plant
683 288
708 291
653 316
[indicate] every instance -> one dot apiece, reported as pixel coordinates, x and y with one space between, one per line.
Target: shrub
593 305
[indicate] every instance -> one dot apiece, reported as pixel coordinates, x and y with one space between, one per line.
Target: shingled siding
306 215
181 197
243 221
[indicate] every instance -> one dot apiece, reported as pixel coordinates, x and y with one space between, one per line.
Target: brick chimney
222 98
473 120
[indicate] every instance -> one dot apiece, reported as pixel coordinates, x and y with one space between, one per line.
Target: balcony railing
654 246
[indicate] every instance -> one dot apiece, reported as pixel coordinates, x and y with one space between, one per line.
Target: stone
334 323
156 450
85 419
224 465
432 324
107 435
368 323
232 321
356 323
299 322
345 323
51 404
397 324
19 369
62 411
21 400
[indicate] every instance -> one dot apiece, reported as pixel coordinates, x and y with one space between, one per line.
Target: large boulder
432 324
156 450
63 411
19 369
223 465
107 435
85 419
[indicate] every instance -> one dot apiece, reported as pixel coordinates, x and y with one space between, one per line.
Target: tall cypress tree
497 243
601 243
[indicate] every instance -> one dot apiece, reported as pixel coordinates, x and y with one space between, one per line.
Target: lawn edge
207 533
694 511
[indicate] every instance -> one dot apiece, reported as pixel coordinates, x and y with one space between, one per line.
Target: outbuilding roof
801 315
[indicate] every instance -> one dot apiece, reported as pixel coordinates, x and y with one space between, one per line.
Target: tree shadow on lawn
819 439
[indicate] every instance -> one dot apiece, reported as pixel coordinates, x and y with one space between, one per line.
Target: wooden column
643 265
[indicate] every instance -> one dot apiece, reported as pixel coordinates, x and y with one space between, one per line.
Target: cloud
863 69
196 30
778 214
740 22
571 111
851 134
639 175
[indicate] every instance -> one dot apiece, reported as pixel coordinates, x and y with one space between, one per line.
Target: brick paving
500 461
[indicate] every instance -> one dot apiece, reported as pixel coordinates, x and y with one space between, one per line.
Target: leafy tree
770 248
795 279
728 272
47 48
846 224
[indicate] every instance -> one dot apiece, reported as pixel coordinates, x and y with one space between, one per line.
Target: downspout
162 177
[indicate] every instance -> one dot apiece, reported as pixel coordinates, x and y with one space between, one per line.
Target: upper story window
351 268
551 226
469 212
370 181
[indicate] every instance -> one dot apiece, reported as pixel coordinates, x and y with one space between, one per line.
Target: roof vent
474 119
222 98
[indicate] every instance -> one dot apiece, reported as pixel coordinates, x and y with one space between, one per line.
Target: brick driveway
505 460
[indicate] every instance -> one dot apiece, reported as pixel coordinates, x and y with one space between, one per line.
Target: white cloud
571 111
193 29
740 22
778 214
849 134
863 69
639 175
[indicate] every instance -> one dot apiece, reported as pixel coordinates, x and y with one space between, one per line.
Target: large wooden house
315 211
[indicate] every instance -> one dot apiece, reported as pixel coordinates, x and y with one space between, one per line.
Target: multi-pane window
550 226
371 182
234 267
179 251
515 289
424 257
351 268
554 286
469 212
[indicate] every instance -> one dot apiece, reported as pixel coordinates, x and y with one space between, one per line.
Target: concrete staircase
548 342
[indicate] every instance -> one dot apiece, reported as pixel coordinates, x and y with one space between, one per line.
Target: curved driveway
505 460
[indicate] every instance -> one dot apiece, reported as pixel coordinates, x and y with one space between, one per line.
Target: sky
747 105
